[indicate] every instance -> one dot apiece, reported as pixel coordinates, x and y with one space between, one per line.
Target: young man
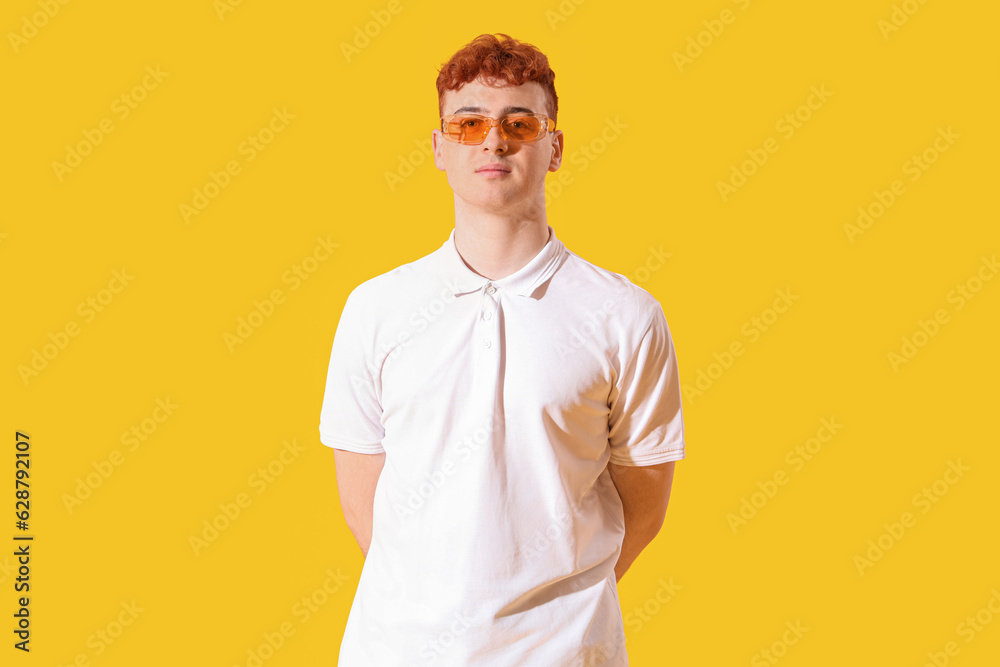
505 415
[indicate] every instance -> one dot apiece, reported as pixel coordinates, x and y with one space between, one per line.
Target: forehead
494 100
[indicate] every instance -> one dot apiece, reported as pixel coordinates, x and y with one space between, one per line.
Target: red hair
504 59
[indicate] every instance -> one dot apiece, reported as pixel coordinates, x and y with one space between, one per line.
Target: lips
493 167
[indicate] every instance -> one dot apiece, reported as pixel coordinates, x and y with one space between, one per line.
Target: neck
496 245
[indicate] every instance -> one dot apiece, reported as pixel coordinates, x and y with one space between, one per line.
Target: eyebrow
503 112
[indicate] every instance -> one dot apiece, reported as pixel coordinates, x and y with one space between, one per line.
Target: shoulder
637 307
387 290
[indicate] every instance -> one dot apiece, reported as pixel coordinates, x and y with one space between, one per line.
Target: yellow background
655 185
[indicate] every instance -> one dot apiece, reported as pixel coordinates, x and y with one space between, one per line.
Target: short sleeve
351 417
646 424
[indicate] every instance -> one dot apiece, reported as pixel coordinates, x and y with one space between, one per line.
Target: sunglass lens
522 128
466 129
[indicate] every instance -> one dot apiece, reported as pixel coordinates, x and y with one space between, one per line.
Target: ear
557 150
437 143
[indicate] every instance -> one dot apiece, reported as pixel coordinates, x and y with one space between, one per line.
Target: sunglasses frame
548 125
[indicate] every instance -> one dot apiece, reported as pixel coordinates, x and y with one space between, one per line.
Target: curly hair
504 59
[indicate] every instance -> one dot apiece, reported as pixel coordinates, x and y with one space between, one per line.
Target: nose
494 142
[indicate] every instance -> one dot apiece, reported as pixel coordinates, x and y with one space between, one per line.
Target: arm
357 475
645 492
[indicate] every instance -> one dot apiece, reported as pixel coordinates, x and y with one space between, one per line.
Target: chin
496 203
498 198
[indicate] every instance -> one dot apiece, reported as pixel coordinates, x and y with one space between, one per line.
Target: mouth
493 168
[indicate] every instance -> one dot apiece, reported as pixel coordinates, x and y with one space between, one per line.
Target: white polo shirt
498 404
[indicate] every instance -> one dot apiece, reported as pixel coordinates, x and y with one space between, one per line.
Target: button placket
488 320
487 341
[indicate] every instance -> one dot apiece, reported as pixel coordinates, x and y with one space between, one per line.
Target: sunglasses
472 129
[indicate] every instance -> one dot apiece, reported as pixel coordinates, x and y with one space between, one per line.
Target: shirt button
487 315
486 344
490 289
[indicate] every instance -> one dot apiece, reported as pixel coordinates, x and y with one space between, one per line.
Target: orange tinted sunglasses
465 128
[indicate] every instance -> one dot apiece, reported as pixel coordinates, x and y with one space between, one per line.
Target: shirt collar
462 280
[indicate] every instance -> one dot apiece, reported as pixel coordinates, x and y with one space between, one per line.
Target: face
522 187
